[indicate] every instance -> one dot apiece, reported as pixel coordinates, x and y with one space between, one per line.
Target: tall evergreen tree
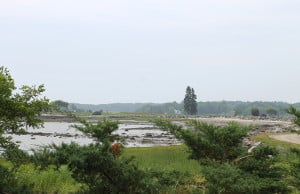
190 101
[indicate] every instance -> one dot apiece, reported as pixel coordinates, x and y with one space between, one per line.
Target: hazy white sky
97 51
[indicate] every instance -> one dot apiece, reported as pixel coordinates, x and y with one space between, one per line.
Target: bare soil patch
291 138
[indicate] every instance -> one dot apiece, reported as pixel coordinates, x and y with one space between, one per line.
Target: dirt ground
280 130
291 138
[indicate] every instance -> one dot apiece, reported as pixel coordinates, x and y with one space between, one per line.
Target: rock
144 140
254 146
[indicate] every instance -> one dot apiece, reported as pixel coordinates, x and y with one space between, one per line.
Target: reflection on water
136 135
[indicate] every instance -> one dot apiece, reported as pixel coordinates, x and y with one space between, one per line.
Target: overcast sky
96 51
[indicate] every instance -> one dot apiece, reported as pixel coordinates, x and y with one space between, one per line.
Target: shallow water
135 134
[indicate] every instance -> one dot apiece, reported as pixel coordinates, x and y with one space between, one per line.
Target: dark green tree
99 165
296 152
19 110
190 101
255 112
296 113
272 112
60 105
226 164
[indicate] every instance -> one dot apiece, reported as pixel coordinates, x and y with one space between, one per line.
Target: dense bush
99 165
226 165
255 112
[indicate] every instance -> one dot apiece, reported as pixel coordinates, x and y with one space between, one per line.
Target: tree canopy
19 108
190 101
60 105
226 164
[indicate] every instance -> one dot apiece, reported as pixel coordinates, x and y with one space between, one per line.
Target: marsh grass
168 159
165 158
49 180
265 138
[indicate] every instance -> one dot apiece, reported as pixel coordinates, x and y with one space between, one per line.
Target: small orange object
116 149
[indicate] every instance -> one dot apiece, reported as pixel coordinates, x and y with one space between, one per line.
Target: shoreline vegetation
277 128
217 155
170 161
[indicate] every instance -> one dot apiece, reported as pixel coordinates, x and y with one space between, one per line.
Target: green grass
50 180
168 159
5 163
164 158
265 138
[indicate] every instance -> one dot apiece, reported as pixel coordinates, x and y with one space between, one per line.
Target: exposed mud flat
139 133
136 134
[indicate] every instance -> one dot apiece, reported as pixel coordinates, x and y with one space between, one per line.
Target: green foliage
164 108
295 167
190 101
295 151
272 112
293 111
226 165
228 108
289 160
96 165
19 109
114 107
169 167
229 178
211 142
255 112
165 158
60 105
275 143
99 112
10 184
102 130
48 180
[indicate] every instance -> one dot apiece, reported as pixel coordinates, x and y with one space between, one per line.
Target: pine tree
190 101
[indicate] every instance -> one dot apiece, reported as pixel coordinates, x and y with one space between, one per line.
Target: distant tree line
189 105
226 108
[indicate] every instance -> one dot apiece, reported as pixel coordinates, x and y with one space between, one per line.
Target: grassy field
165 158
264 137
159 159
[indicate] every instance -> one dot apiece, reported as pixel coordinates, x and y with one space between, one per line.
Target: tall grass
265 138
164 158
50 180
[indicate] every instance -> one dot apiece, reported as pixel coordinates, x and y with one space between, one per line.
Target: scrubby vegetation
226 164
213 159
